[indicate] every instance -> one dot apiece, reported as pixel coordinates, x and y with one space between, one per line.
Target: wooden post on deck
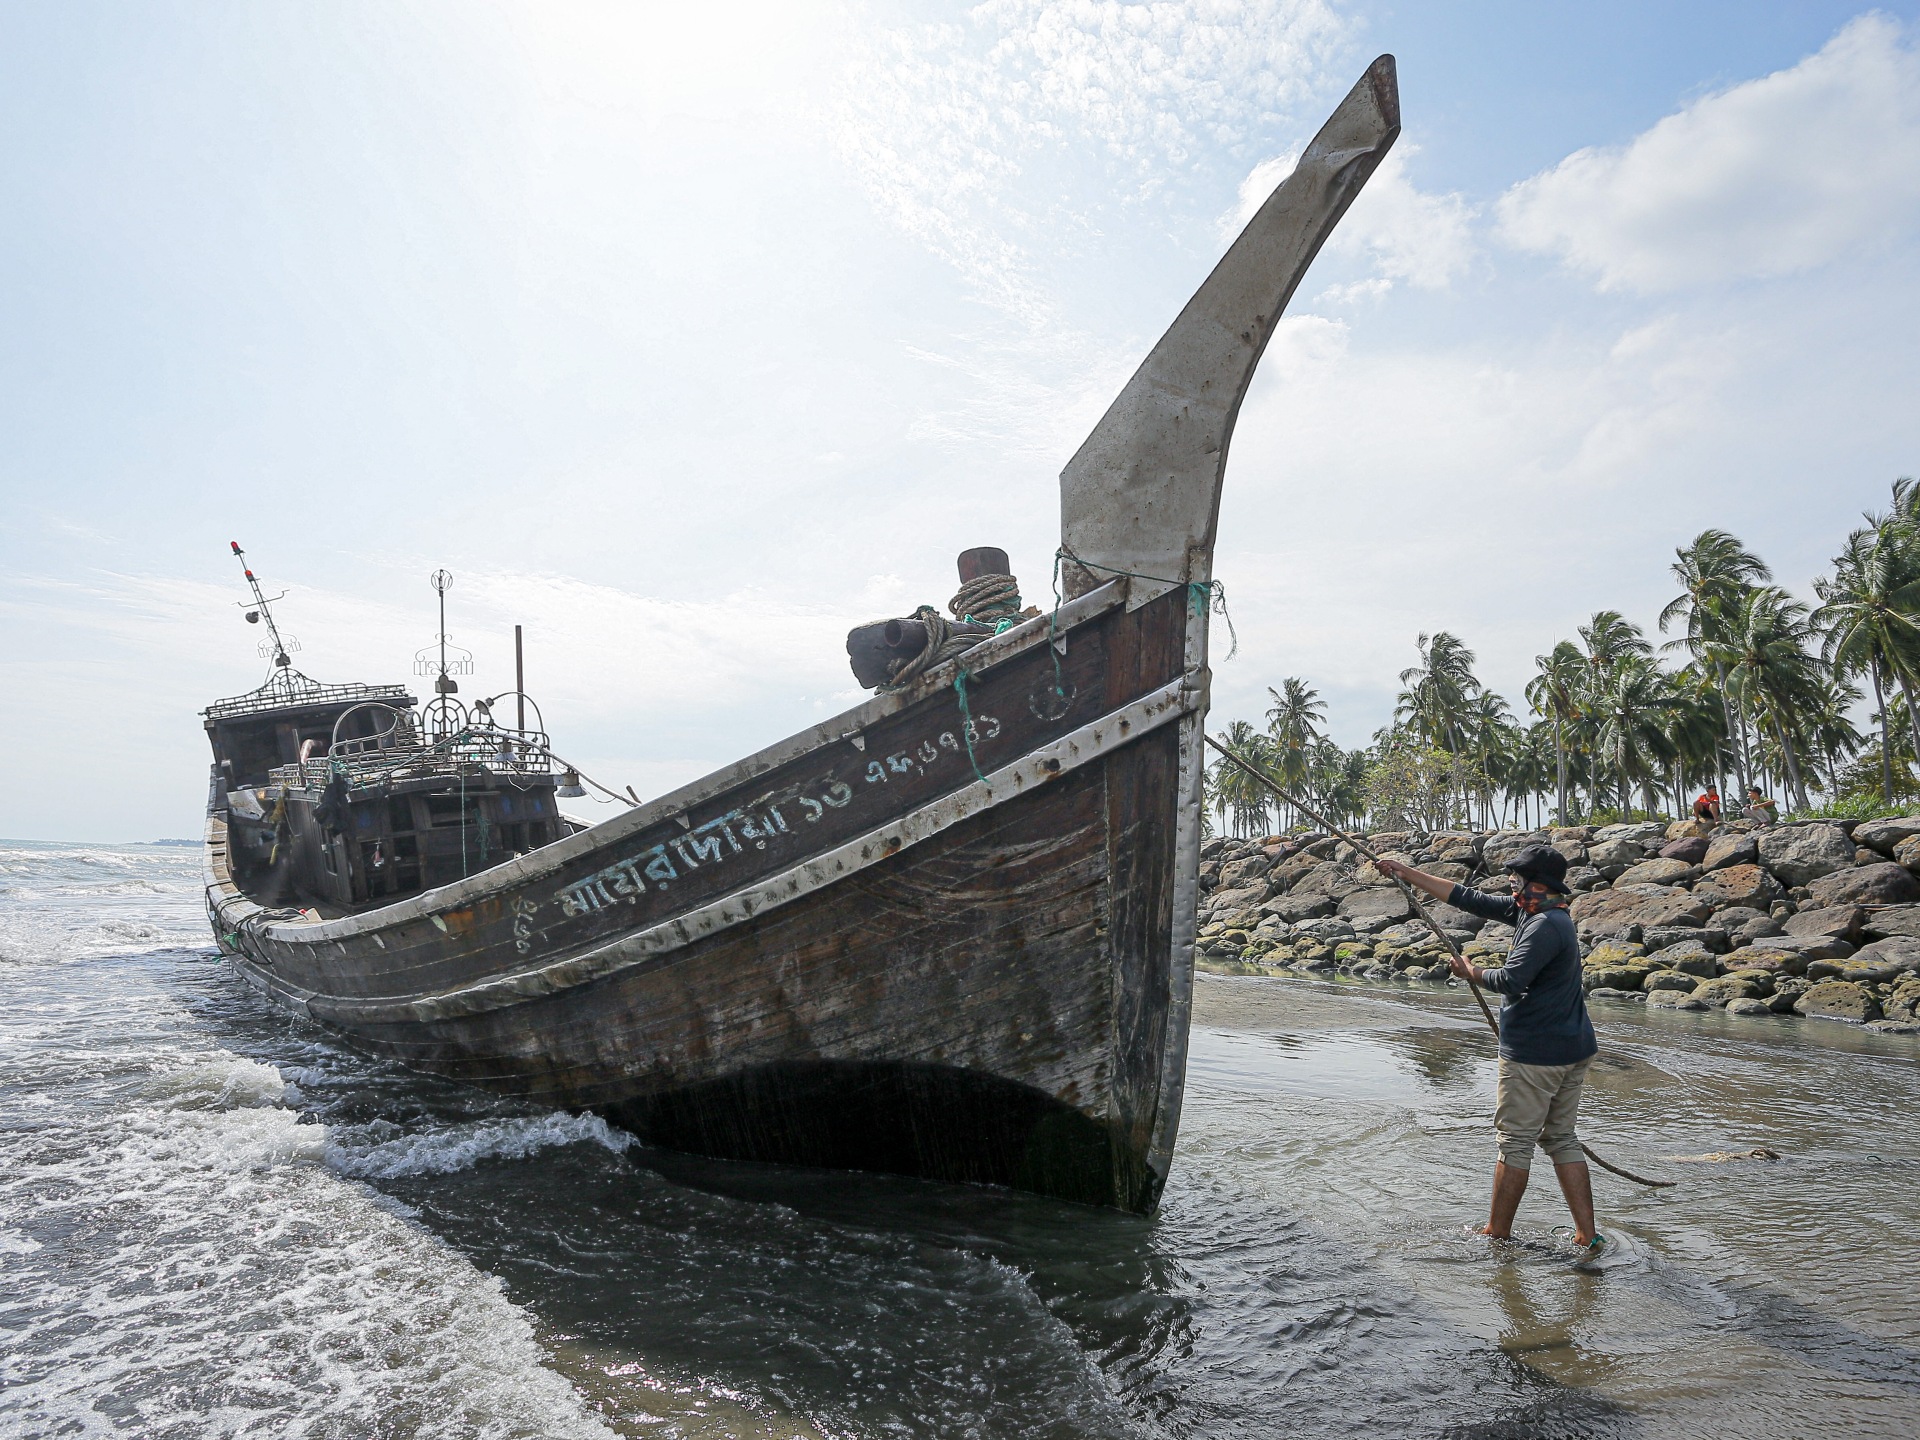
519 682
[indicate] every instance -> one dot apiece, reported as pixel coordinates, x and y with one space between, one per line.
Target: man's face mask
1532 896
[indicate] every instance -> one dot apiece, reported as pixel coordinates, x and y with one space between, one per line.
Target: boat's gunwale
1173 701
234 908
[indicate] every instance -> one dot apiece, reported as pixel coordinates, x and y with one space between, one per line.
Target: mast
262 611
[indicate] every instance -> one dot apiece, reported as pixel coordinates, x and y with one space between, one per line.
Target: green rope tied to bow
1202 595
960 679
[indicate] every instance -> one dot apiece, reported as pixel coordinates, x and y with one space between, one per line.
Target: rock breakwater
1819 919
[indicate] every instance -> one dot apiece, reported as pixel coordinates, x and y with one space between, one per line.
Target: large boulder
1503 845
1376 908
1665 937
1671 980
1295 908
1336 882
1748 886
1690 850
1801 854
1893 920
1640 832
1728 987
1657 872
1672 1000
1882 960
1615 952
1454 919
1814 947
1838 1000
1687 830
1455 847
1236 899
1284 876
1610 857
1883 883
1886 835
1907 852
1764 958
1253 869
1835 922
1694 960
1615 977
1611 912
1904 1002
1730 849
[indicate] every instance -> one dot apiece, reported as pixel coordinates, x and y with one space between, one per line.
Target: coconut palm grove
1738 684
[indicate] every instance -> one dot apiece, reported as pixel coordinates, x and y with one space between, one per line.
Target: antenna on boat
445 715
275 644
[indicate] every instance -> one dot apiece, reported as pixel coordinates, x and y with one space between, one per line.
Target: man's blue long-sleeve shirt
1543 1017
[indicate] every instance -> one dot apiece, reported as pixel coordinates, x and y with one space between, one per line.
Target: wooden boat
948 933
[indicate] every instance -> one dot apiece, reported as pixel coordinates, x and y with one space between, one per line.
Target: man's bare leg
1576 1183
1509 1184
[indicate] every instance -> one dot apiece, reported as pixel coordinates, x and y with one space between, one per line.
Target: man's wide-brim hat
1542 863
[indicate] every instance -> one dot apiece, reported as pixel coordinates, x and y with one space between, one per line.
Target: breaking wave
460 1147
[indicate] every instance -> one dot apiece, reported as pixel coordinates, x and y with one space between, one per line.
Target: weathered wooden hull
961 978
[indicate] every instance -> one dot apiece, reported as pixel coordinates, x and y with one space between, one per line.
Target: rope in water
1432 924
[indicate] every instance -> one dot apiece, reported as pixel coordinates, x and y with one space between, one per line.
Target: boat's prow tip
1383 76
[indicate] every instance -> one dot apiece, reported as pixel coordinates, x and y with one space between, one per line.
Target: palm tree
1713 571
1770 672
1868 615
1489 718
1235 792
1438 691
1631 706
1554 695
1293 725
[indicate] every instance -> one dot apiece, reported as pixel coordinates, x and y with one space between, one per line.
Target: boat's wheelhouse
334 798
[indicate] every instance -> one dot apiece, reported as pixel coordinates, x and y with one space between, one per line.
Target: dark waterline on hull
1306 1273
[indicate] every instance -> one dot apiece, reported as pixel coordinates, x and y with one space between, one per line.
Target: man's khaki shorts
1538 1103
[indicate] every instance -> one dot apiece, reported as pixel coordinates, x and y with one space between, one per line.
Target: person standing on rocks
1547 1042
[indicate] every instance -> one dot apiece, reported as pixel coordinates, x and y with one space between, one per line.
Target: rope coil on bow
942 645
988 600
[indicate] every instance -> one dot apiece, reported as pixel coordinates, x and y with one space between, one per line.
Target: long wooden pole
1420 908
519 681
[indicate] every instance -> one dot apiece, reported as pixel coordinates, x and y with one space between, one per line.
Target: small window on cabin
400 812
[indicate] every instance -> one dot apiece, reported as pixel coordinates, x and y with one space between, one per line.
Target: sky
690 337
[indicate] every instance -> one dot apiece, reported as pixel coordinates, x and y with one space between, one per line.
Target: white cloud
1781 174
963 132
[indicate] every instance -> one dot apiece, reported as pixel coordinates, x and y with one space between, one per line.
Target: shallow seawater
216 1222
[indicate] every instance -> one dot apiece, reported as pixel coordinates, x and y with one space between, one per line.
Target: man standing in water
1546 1040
